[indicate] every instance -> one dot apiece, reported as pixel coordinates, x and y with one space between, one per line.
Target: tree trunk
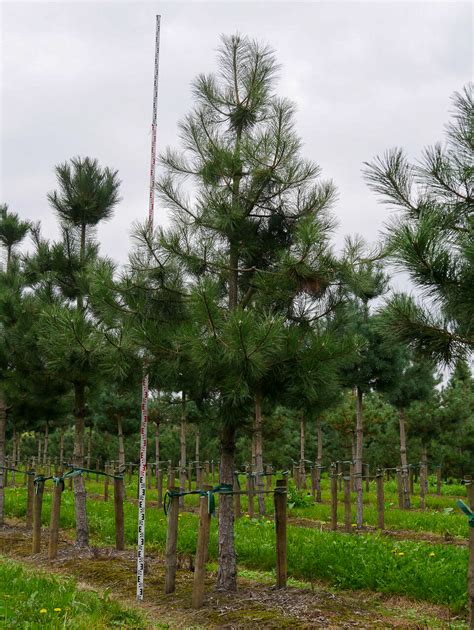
157 454
3 427
182 449
18 450
61 450
424 465
259 452
46 444
89 450
253 451
39 449
302 445
227 570
358 457
82 529
121 447
319 459
404 461
13 458
196 456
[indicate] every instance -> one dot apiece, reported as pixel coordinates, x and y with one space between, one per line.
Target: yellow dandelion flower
43 611
432 554
400 553
354 525
57 610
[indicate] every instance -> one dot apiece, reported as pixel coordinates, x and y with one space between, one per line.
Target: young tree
416 382
432 238
71 343
254 222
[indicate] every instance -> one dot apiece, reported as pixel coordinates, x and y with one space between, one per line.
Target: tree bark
182 449
39 449
121 446
259 452
302 449
158 475
46 444
358 457
82 529
404 461
61 451
227 570
196 456
89 450
319 459
3 427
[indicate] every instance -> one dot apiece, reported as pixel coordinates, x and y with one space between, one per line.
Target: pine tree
73 347
433 237
252 228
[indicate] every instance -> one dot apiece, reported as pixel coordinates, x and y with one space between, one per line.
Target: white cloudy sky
77 80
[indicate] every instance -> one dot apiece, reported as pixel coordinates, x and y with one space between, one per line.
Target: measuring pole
144 408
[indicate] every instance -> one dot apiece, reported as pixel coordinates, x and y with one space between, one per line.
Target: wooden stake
54 523
159 484
201 553
237 506
119 519
380 501
106 485
268 470
171 541
401 502
37 509
334 500
438 480
29 501
422 489
280 500
250 487
347 504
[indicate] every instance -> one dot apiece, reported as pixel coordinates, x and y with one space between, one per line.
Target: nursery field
413 574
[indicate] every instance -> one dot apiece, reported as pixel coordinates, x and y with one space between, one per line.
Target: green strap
78 470
467 511
59 481
222 488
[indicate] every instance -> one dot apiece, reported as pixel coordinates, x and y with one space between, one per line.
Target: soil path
256 605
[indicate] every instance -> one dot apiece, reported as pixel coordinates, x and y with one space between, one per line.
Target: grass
30 600
421 570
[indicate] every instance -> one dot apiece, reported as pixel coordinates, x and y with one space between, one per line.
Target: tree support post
37 509
380 500
171 542
334 500
201 553
119 519
280 500
347 505
29 501
236 489
54 524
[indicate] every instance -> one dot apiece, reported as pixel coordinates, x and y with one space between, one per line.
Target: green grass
371 561
30 600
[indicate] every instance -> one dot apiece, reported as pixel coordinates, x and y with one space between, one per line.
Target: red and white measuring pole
144 408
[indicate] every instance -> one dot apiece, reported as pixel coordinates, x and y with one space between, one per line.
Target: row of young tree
439 429
241 310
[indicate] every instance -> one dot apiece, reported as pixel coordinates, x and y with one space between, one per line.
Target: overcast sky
77 80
